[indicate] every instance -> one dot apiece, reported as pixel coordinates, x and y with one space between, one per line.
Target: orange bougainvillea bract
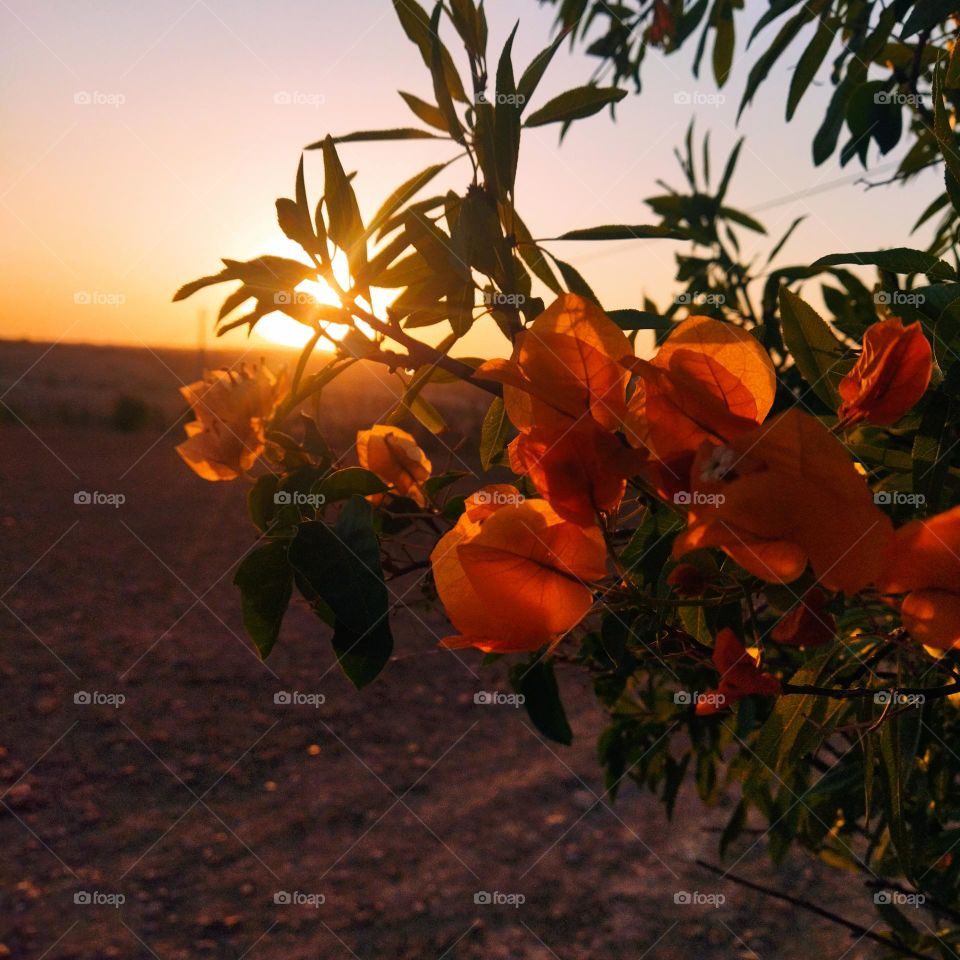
808 624
923 562
890 376
740 675
709 381
393 455
565 390
231 407
513 575
783 495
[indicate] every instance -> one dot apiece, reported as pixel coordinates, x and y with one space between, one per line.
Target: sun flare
282 330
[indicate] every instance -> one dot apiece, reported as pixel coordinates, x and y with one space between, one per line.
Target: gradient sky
177 159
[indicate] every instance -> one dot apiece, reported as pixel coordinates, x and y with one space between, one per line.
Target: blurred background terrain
199 798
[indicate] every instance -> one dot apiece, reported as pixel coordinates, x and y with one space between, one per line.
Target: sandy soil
201 801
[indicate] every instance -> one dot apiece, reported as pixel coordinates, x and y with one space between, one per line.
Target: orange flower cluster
513 575
393 455
231 407
777 496
923 562
740 675
565 390
890 376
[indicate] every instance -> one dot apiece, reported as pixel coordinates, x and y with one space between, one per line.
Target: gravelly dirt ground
199 798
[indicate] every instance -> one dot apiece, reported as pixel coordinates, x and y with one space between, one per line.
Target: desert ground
185 811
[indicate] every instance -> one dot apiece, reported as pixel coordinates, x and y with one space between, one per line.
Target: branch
860 931
931 693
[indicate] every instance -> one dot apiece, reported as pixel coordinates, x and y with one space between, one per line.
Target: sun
281 330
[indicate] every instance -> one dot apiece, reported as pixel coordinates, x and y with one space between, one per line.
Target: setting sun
282 330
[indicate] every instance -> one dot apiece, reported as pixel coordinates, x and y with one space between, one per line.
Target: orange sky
144 141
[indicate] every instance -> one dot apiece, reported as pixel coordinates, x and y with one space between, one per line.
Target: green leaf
895 260
723 43
621 231
374 136
809 63
340 566
427 112
507 118
261 274
441 88
534 73
260 500
266 583
406 191
575 105
346 224
783 39
350 482
493 433
416 25
639 320
898 740
537 684
575 282
814 348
